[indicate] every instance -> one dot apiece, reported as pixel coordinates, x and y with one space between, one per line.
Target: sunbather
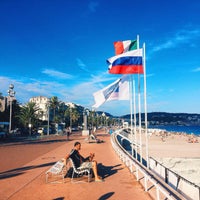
93 138
87 162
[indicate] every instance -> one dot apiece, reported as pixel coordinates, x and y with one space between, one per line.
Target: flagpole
135 131
131 106
135 115
139 117
145 106
139 108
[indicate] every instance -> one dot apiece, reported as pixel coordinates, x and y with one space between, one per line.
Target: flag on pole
119 90
126 63
124 46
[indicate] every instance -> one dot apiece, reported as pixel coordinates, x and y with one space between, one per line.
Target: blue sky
59 48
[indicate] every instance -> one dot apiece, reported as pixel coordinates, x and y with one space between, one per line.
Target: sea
172 128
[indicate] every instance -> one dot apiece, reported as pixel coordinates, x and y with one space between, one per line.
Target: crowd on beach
163 134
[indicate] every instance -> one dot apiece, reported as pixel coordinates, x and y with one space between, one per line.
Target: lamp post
11 94
85 131
103 120
93 117
70 120
48 105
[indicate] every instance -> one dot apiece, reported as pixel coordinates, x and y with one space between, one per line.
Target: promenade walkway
28 182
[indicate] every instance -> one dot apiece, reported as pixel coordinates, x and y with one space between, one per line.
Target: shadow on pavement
31 141
59 198
21 170
106 196
106 171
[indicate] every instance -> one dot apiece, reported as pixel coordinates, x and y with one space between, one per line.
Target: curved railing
152 183
179 183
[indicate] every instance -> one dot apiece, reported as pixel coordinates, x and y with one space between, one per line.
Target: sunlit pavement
28 181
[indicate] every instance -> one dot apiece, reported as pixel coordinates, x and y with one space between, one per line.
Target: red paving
28 181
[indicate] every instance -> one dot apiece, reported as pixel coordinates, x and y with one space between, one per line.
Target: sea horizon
181 129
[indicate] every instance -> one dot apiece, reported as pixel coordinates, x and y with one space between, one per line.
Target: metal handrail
148 175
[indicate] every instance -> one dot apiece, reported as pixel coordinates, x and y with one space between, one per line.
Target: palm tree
61 112
54 104
73 114
91 118
29 114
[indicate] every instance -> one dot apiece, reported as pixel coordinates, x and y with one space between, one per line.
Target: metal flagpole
145 106
139 117
135 131
131 106
139 108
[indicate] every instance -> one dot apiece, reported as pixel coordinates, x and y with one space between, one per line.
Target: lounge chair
79 172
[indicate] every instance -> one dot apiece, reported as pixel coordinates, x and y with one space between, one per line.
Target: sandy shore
173 145
178 152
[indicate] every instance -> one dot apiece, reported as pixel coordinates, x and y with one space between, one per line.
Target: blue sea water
186 129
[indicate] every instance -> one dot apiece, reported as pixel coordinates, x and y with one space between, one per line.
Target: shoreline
179 152
182 129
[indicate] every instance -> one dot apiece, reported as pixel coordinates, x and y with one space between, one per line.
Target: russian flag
124 46
126 63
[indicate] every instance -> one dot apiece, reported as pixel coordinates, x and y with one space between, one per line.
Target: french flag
126 63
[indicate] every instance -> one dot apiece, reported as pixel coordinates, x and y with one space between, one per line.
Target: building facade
42 104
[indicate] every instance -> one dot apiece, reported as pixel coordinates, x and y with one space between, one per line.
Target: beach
179 152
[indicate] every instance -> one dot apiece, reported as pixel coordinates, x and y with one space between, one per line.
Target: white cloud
80 93
196 70
57 74
150 75
82 65
181 37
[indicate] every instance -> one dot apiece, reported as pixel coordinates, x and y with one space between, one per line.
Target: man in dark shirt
80 161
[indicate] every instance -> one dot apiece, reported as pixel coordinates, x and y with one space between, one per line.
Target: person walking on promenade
87 162
68 132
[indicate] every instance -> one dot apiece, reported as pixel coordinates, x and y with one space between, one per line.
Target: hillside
164 118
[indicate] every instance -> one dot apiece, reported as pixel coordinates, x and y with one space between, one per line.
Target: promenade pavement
28 182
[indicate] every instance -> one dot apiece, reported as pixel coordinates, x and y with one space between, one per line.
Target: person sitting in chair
82 162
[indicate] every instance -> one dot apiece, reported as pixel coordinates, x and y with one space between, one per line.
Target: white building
41 102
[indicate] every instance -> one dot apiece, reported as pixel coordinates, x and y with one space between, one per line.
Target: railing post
131 167
157 193
137 173
145 182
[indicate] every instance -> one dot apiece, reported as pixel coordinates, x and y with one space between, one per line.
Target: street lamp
93 117
103 115
11 94
48 113
70 119
85 128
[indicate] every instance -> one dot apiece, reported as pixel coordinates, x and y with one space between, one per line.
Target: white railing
152 183
179 183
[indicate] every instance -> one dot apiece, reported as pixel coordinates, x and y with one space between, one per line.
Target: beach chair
79 172
57 172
